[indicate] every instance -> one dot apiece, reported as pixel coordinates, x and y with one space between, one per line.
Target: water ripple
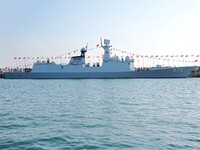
100 114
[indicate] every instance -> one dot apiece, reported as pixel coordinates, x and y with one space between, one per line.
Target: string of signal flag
113 50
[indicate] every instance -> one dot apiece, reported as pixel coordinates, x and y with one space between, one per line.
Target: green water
100 114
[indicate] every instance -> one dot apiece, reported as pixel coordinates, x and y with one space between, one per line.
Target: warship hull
174 72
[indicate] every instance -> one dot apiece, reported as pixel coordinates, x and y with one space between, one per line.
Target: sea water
100 114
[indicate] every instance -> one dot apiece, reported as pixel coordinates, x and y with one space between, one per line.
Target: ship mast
106 48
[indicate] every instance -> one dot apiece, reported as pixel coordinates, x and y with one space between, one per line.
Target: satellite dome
83 49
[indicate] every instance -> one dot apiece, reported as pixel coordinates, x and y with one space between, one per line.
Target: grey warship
111 68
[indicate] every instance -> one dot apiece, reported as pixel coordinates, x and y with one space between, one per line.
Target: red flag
196 60
97 45
15 57
197 56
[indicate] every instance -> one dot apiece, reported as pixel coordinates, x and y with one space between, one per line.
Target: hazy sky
53 27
